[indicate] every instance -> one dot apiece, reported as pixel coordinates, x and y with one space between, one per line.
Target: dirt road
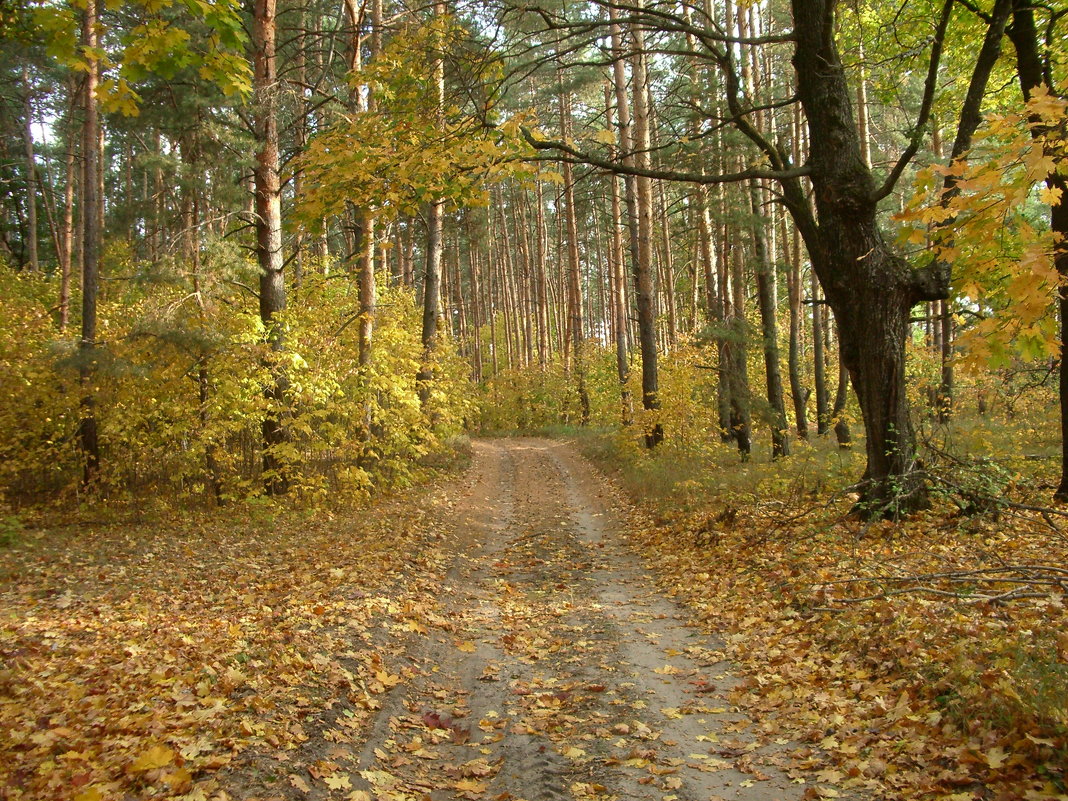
565 674
552 668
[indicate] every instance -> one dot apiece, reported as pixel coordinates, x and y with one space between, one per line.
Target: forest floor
523 632
552 667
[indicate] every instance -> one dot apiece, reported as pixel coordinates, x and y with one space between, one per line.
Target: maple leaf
1050 195
299 783
470 788
158 756
435 720
339 781
995 757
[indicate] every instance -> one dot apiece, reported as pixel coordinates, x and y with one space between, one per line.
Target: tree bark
842 432
798 393
435 223
643 265
268 225
88 433
31 175
617 273
1033 74
819 362
766 298
66 243
870 290
574 277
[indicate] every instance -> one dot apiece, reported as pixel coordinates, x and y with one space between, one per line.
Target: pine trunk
87 429
268 226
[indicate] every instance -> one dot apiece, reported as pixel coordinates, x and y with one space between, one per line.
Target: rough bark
819 362
643 265
842 432
1032 74
87 429
799 394
268 226
616 283
735 357
435 223
66 244
31 174
766 299
634 145
574 277
870 290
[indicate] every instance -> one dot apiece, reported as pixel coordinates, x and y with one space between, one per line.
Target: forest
758 305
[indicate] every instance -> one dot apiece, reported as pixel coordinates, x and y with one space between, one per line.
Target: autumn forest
498 400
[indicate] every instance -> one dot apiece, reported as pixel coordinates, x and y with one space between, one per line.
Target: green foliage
165 38
10 530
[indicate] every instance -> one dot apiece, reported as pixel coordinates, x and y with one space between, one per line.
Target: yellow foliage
179 388
991 230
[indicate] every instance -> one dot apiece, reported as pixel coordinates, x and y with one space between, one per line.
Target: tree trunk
870 290
435 222
766 298
643 266
617 274
842 432
574 277
736 359
819 362
31 175
542 281
268 225
798 393
1033 74
90 216
66 246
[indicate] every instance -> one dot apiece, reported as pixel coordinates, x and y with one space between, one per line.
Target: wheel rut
551 667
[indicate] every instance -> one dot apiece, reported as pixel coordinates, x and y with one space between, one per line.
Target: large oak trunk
870 290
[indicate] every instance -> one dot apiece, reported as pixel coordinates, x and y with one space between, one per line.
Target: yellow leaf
158 756
299 783
996 757
338 782
1050 195
179 780
467 646
387 679
470 786
605 137
91 793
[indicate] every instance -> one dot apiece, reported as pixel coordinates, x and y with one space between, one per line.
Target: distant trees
576 197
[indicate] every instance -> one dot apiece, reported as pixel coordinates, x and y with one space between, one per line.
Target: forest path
561 672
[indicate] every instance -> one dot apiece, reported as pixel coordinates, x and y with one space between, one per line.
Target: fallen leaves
158 756
138 660
903 693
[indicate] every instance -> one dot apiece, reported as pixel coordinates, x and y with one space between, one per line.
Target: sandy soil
551 667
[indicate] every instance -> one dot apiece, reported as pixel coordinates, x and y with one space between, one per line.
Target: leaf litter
496 640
